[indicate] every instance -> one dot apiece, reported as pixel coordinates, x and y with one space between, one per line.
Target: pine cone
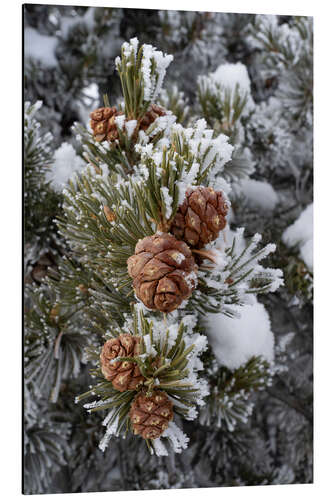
125 376
150 116
201 217
163 271
41 268
103 124
150 416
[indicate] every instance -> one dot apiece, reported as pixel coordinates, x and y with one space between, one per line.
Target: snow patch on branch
259 194
66 164
235 340
300 234
40 47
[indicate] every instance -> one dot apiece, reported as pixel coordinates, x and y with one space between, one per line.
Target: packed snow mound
259 194
230 75
40 47
66 163
235 340
300 234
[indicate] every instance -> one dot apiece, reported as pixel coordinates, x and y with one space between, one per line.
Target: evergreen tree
150 359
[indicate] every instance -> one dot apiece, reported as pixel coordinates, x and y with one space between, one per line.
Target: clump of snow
229 75
40 47
120 120
235 340
229 78
66 163
130 127
259 194
300 233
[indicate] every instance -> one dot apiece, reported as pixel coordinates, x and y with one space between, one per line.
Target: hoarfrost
167 200
176 436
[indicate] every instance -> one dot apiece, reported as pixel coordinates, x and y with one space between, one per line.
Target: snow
66 163
189 321
67 22
300 234
241 264
40 47
91 93
229 75
159 448
235 340
167 200
259 194
90 101
153 84
111 430
130 127
146 68
149 348
178 257
208 155
283 35
120 120
175 436
191 279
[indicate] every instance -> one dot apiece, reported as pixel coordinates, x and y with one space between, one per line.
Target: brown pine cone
150 416
201 217
125 376
103 124
163 271
41 268
150 116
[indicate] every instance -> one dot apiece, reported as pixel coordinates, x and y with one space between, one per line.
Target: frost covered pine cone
150 116
103 124
164 272
125 376
150 415
201 217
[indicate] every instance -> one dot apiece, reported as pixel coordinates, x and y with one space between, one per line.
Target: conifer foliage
155 261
